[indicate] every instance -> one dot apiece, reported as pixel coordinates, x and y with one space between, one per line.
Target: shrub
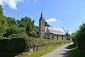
34 42
12 44
32 33
79 37
47 37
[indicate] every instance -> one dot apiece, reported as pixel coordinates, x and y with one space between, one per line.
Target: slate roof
54 31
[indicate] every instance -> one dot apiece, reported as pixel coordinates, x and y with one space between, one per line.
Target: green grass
75 52
40 53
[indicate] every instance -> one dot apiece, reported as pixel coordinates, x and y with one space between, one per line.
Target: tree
14 29
11 21
1 12
79 37
46 24
11 27
33 34
3 23
23 22
31 29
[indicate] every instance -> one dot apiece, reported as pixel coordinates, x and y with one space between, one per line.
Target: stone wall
64 37
40 48
59 37
55 36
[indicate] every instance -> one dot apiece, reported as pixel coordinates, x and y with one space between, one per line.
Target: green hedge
78 37
80 43
23 44
34 42
12 44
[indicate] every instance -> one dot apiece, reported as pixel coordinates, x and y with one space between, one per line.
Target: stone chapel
55 33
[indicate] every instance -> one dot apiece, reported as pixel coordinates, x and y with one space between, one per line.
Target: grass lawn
75 52
40 53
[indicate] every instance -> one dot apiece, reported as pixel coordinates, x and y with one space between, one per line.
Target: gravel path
63 51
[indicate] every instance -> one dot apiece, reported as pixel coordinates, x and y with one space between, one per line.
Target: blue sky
59 13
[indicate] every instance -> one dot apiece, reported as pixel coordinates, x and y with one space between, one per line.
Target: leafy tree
37 30
14 29
17 22
79 37
46 24
23 22
10 27
73 37
33 34
1 12
3 23
11 21
29 26
31 29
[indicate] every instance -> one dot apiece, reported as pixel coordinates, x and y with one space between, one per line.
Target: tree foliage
14 29
23 22
11 27
3 23
31 29
46 24
10 21
78 37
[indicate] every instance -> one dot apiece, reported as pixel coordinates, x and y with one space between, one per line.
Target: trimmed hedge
24 44
12 44
34 42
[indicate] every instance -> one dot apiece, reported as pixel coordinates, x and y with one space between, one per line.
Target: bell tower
41 26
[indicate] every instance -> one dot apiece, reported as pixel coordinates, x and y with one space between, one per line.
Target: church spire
41 14
41 17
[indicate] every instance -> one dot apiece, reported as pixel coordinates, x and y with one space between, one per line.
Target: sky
58 13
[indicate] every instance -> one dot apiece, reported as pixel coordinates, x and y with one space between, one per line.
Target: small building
55 33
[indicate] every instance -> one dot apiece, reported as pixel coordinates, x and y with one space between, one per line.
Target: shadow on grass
8 54
75 52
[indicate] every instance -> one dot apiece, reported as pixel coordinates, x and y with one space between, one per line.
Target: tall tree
3 22
31 29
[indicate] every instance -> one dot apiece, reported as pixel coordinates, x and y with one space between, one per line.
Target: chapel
55 33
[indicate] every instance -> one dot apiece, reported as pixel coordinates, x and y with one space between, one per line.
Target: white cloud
10 3
51 20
